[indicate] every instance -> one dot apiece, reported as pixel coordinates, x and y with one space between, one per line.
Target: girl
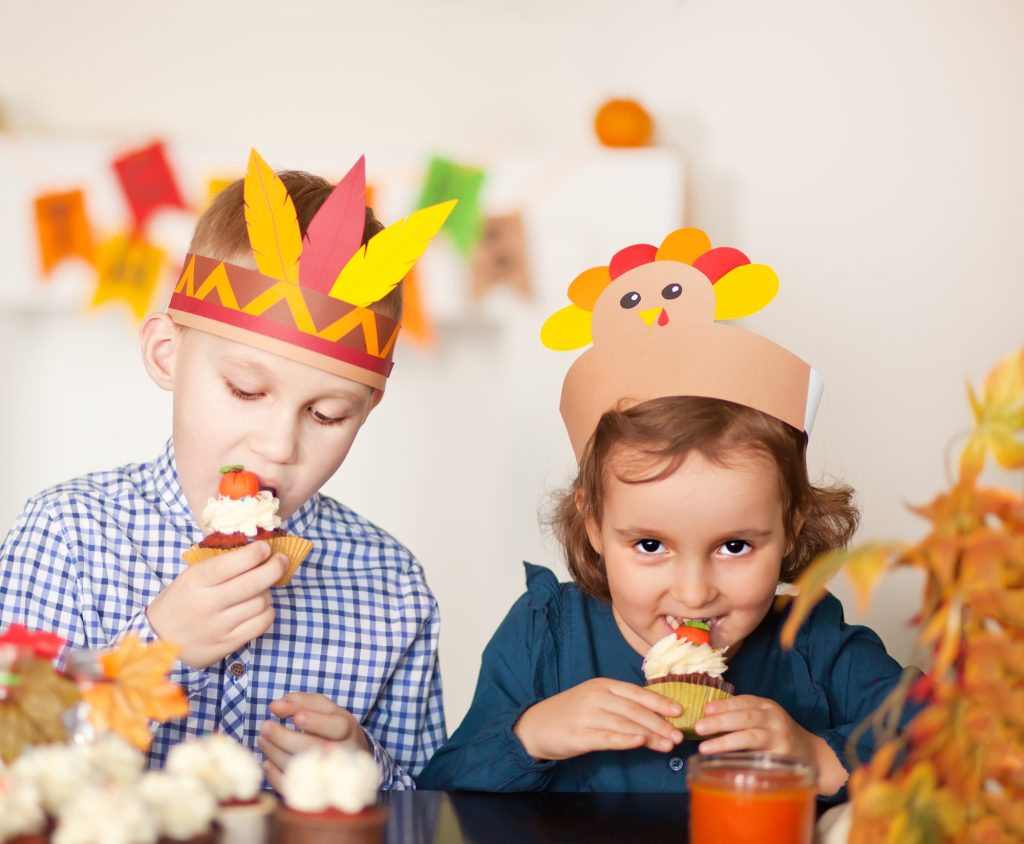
684 507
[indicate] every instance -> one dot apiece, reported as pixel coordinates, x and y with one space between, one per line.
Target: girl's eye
736 548
320 419
241 394
649 546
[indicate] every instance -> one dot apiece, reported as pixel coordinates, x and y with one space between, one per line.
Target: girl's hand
748 722
599 714
319 720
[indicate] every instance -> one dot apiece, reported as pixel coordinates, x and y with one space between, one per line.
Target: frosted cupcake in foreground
685 668
242 513
104 815
22 819
330 795
181 807
233 776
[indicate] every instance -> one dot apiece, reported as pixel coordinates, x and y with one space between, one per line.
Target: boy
275 360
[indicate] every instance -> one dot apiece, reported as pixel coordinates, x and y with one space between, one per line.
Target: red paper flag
148 183
63 228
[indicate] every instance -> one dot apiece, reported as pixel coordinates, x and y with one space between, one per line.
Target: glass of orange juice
736 798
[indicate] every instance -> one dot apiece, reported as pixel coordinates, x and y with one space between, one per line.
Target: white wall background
870 152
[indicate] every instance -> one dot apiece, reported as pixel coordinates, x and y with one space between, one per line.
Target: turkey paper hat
310 298
651 315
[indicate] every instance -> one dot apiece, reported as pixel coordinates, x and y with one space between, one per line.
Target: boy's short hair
667 429
221 231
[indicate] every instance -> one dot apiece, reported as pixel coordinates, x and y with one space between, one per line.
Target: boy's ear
158 342
799 519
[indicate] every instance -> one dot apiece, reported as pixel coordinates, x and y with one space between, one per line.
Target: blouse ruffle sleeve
519 668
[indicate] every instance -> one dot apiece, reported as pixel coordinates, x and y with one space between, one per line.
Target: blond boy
265 376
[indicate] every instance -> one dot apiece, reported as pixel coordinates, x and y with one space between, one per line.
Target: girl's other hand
748 722
599 714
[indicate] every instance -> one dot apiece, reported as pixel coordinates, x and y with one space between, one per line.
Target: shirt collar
172 496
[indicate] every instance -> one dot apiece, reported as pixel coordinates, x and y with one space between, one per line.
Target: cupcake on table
330 795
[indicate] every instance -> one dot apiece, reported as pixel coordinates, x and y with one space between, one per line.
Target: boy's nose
276 441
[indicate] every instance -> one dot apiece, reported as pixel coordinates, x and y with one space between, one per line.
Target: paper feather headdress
651 317
311 297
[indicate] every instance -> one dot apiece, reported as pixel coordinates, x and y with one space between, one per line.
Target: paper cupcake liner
295 548
691 695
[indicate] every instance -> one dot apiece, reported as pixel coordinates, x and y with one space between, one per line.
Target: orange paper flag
63 228
129 269
416 322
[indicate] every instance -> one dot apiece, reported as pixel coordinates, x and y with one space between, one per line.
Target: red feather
715 263
630 258
336 232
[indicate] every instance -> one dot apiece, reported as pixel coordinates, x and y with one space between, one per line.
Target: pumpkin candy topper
311 297
236 483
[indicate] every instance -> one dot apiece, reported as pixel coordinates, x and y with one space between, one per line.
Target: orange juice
736 798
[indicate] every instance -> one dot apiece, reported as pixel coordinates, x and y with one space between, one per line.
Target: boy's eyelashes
316 415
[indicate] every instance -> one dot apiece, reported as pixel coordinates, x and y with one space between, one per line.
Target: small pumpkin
623 123
236 483
698 632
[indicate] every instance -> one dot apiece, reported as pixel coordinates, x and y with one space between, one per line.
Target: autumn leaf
135 689
998 417
865 564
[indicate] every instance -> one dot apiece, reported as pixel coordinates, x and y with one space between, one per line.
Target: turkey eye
630 300
672 291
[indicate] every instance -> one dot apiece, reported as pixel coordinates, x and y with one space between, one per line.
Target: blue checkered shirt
356 622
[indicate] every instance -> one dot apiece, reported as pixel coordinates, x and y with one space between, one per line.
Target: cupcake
57 771
330 795
232 774
685 668
112 760
22 819
242 513
181 806
109 814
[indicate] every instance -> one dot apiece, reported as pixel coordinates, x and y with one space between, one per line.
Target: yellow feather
375 269
270 217
744 291
567 329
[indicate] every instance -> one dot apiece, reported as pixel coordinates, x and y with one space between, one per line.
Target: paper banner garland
500 256
62 227
148 183
128 269
447 180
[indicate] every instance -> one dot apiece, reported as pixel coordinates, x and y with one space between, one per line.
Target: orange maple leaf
135 689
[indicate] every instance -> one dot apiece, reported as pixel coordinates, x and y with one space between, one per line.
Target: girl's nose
693 585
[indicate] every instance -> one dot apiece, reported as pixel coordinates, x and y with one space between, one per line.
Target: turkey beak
650 315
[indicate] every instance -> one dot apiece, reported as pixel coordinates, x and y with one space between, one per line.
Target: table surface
426 817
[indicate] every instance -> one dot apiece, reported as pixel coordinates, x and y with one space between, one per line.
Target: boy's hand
214 607
756 723
319 720
599 714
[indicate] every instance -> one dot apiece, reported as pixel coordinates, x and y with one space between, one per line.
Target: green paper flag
448 180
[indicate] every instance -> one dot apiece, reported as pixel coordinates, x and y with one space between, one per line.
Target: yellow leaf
999 418
375 270
135 689
270 217
814 578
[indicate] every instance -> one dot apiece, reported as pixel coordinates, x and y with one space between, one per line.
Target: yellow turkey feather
567 329
744 291
270 217
375 269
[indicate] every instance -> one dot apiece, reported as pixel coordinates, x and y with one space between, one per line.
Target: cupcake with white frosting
112 759
181 806
330 795
57 771
684 667
111 814
233 776
22 819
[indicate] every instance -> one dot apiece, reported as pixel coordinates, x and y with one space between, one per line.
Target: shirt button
237 669
675 763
